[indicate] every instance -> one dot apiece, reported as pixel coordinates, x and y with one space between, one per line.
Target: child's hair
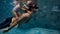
17 0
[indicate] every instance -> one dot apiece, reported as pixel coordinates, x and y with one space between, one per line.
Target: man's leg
15 22
20 18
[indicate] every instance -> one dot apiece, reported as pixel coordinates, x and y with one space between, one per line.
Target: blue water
32 31
46 20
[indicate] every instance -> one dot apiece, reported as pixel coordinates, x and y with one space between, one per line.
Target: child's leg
16 11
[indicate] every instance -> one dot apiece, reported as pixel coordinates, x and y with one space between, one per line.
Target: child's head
29 2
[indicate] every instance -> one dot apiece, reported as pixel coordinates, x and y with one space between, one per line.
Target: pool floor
31 31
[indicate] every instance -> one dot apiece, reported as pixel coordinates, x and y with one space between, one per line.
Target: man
29 10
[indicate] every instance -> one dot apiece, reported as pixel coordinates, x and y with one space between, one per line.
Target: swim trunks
5 23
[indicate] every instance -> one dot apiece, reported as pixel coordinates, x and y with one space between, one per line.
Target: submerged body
29 10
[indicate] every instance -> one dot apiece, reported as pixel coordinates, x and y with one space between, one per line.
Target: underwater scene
45 21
